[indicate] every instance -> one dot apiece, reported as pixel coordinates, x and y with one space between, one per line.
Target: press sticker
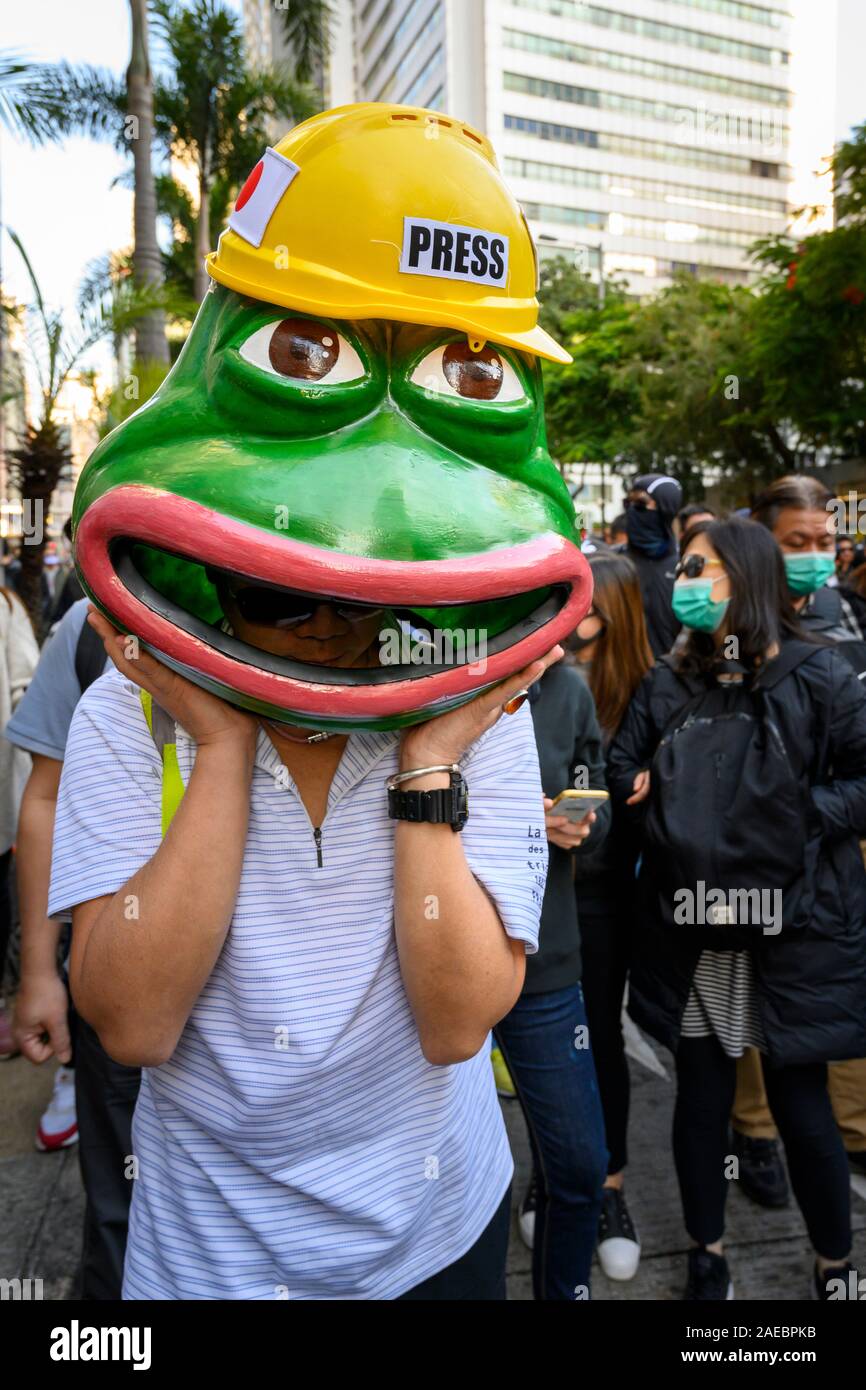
451 252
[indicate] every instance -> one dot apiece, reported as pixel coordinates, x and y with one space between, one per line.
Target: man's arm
141 955
40 725
461 970
42 1004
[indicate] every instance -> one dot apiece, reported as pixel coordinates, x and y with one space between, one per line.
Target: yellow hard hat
392 212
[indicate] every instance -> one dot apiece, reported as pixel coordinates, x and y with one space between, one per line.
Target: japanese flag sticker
258 199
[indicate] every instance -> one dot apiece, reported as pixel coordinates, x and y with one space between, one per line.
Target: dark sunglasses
275 608
693 566
640 504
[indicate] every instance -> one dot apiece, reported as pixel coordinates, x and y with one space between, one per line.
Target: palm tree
212 110
307 28
40 102
150 340
41 456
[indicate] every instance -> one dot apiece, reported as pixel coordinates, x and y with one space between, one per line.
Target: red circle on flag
250 186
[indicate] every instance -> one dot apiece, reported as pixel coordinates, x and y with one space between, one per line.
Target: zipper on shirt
317 836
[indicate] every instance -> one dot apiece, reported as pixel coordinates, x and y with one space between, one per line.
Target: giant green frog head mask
354 427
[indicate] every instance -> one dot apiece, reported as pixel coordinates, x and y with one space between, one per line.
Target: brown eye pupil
303 349
476 375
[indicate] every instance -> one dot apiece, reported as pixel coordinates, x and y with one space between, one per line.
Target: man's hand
446 738
42 1008
566 833
205 717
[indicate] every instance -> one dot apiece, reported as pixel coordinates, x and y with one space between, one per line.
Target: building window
732 127
663 151
393 44
645 67
411 96
735 9
651 29
616 224
631 186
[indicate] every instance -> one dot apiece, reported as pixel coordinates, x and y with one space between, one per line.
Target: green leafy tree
589 407
808 341
700 399
807 336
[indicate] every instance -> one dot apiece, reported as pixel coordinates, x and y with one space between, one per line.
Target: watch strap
442 806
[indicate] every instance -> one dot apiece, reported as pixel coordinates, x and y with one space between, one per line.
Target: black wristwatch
444 806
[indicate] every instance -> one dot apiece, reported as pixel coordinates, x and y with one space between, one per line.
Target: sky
58 198
60 201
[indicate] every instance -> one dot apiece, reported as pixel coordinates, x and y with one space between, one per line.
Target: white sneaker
526 1215
58 1128
618 1241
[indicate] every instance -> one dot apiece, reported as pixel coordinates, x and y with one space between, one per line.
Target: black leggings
479 1275
800 1105
606 944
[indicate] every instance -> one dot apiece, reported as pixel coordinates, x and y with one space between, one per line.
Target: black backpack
726 830
89 656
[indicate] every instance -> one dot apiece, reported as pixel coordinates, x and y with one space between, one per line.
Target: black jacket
568 736
656 587
811 983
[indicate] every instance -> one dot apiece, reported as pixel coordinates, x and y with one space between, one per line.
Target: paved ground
41 1201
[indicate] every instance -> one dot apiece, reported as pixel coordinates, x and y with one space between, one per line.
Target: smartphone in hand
577 804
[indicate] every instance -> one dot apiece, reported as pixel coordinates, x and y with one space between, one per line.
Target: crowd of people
712 696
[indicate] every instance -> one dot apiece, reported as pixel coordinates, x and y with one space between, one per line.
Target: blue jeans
545 1045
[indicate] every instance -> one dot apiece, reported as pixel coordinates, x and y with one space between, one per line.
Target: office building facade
650 133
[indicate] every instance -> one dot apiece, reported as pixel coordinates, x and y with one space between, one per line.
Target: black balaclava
652 533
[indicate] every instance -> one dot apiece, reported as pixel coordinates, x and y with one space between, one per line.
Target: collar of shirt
363 751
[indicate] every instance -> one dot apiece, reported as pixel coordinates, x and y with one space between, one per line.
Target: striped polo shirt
298 1144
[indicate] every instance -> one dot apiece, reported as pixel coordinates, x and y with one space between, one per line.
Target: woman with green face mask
744 754
702 591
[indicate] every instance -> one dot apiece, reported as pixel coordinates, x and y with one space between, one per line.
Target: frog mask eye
305 352
455 370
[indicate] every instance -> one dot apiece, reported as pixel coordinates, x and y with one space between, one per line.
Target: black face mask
647 532
579 644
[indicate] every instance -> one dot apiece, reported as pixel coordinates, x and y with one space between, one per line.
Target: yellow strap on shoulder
172 785
147 705
172 782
